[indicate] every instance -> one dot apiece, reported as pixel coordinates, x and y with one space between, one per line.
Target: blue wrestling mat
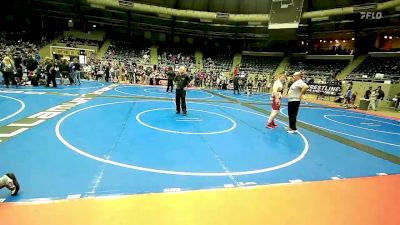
122 142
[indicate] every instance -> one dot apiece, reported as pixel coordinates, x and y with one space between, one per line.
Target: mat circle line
181 132
117 89
381 131
340 132
16 112
50 89
181 173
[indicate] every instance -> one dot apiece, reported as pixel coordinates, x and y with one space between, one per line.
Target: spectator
18 67
171 76
368 93
10 182
347 97
373 99
50 72
381 96
7 68
64 70
76 71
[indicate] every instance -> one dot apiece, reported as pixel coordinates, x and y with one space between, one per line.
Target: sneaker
184 113
274 125
16 184
270 125
178 112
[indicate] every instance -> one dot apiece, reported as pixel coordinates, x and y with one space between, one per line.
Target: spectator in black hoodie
31 66
171 77
18 67
368 93
51 73
64 69
381 96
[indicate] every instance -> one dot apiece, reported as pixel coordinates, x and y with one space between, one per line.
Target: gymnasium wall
94 48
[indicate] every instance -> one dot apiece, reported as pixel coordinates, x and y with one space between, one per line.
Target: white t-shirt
277 88
295 90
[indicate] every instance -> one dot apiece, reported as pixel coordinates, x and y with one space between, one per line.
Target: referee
182 80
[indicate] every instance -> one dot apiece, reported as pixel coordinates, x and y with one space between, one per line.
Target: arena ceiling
248 6
60 11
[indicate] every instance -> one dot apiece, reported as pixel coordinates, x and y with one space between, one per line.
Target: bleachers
75 42
21 43
318 69
259 64
176 57
218 62
124 51
389 66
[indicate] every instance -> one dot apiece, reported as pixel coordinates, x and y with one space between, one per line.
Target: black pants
7 76
19 74
70 78
235 88
51 78
34 80
180 100
170 84
293 109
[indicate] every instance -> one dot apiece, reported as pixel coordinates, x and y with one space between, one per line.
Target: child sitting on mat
10 181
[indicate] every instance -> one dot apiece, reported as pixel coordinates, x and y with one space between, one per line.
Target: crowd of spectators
19 52
127 52
176 58
20 43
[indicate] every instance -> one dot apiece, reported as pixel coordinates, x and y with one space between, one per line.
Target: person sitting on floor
10 181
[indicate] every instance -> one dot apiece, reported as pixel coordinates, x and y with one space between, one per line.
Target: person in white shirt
295 94
372 100
277 90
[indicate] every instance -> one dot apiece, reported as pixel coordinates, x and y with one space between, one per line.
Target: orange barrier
360 201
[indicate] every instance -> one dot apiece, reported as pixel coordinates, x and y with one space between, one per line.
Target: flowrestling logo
371 15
